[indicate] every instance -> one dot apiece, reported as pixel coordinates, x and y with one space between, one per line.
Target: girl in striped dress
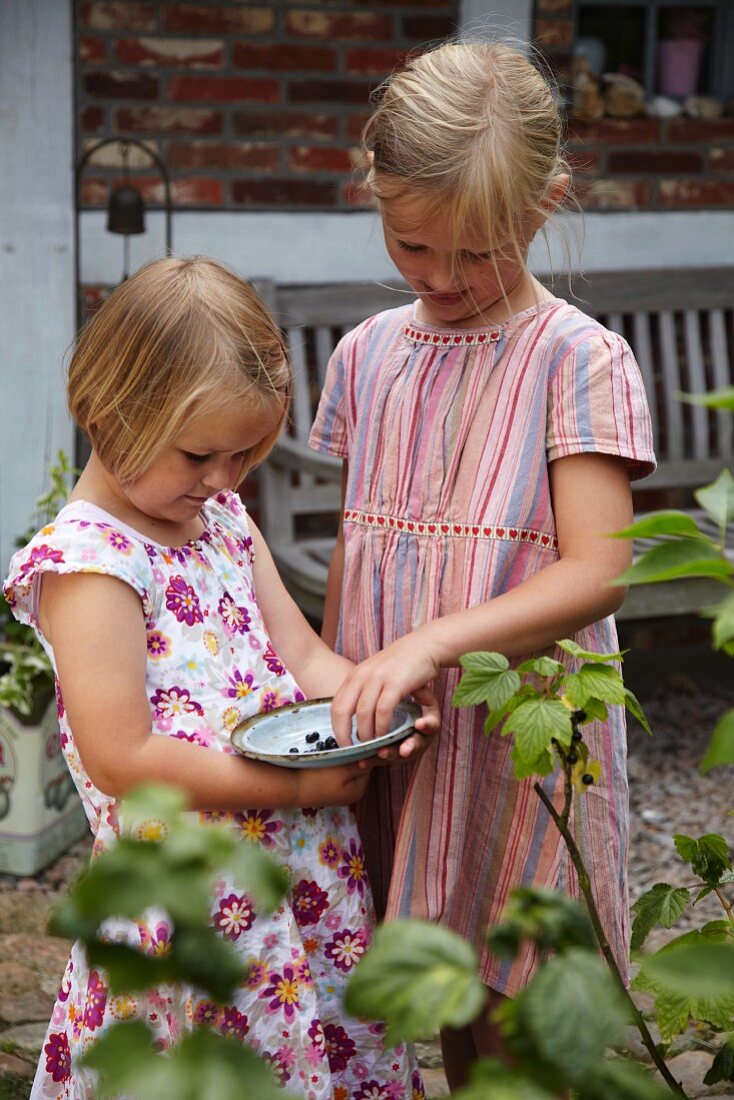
489 433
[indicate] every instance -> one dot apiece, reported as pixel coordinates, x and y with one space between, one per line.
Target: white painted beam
36 251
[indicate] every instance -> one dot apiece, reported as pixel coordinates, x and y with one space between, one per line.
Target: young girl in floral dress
167 625
489 433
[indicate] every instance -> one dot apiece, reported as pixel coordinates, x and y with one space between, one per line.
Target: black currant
587 779
331 743
571 757
579 716
293 749
577 735
312 737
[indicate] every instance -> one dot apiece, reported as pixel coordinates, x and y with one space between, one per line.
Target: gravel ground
684 689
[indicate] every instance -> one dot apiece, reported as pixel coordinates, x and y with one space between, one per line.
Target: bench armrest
290 454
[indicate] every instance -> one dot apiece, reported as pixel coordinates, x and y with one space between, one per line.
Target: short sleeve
74 546
329 431
597 403
228 512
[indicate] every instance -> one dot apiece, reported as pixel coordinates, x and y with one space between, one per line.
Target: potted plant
680 51
40 813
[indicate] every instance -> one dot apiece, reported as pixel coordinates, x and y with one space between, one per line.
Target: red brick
689 193
92 49
222 154
355 124
424 28
344 26
121 85
616 131
283 58
284 192
172 120
223 89
92 119
319 158
190 191
375 60
554 32
201 20
329 91
640 162
554 6
297 124
117 15
721 160
691 130
614 194
190 53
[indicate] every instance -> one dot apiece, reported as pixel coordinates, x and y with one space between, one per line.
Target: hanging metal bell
126 210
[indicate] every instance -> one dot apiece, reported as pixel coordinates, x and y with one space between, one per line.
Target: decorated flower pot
40 812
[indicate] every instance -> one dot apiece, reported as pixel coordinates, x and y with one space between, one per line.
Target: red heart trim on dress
381 521
545 540
482 337
444 528
411 527
431 528
457 528
533 536
475 530
500 532
400 523
513 533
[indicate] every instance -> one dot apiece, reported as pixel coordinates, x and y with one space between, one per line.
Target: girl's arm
591 497
330 625
96 626
317 669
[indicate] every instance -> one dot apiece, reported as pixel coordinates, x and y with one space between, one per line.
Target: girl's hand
373 689
336 786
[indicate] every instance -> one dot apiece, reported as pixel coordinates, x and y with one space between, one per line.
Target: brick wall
250 105
639 163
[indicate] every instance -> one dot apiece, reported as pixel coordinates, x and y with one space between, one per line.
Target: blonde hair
178 337
474 130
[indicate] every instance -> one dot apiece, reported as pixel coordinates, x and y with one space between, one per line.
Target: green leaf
708 856
672 1012
720 748
661 905
417 977
621 1080
550 919
588 1013
569 646
666 521
490 1080
202 1065
715 399
595 711
495 717
483 682
722 1068
718 499
594 681
683 558
632 704
541 666
541 765
695 968
482 661
535 723
723 626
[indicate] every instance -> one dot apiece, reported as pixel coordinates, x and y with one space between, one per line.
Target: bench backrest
680 324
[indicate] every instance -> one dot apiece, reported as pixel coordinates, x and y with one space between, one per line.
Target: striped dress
449 435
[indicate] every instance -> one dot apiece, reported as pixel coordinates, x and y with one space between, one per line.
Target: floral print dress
211 665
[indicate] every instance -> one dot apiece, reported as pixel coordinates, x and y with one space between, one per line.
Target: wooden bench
680 324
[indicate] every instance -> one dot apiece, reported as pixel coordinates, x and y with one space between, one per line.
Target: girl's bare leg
480 1039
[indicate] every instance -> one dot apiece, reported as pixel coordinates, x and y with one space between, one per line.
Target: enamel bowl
269 737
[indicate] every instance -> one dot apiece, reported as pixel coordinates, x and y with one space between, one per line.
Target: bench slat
671 386
643 352
696 382
722 375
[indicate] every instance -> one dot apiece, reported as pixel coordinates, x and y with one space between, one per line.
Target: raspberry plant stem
561 821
